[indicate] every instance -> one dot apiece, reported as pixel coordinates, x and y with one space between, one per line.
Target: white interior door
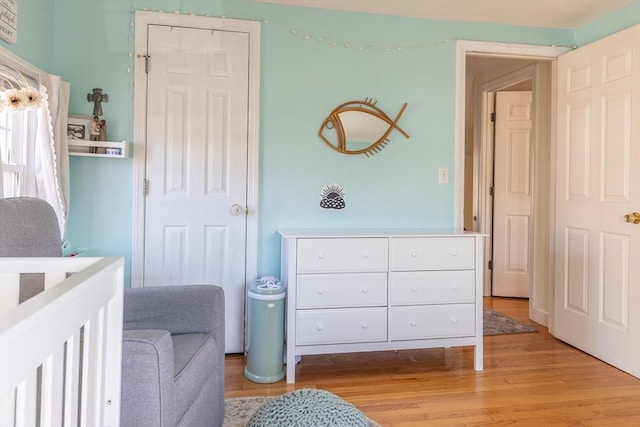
512 195
196 164
597 284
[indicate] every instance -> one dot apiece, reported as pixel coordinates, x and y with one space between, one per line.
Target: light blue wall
304 79
614 22
301 81
35 27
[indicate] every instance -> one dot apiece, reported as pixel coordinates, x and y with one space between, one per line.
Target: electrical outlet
443 176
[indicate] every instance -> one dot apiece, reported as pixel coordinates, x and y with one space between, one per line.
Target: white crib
60 351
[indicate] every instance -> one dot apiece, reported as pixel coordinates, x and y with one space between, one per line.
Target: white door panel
597 285
196 164
512 198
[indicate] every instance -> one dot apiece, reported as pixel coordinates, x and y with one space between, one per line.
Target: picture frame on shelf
78 127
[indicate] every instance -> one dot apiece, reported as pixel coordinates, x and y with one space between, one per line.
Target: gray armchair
173 356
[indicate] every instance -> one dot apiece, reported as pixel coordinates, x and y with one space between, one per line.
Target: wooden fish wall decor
359 127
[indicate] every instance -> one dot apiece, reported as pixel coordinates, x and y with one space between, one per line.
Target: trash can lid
266 285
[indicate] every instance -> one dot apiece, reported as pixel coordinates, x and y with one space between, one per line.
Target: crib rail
60 351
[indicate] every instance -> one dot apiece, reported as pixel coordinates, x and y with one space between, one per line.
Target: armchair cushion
147 378
194 363
173 356
29 228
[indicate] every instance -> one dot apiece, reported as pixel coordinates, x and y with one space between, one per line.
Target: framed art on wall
78 127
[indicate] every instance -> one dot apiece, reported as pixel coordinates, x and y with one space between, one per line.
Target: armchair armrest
177 309
147 379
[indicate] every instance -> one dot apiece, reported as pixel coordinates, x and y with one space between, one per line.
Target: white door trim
504 50
142 20
464 47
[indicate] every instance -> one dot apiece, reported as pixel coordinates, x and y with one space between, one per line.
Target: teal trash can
265 349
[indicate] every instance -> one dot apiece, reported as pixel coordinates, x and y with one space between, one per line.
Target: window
16 151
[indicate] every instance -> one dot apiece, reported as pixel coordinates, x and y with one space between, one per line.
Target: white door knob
237 210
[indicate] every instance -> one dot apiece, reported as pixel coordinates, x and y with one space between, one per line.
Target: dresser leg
478 357
291 367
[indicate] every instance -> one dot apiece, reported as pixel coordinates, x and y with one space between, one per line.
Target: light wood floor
528 380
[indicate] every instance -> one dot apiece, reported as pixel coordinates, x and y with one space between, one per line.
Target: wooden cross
97 97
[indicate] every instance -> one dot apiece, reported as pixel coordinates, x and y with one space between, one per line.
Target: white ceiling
568 14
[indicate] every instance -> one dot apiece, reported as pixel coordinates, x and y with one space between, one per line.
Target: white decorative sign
9 20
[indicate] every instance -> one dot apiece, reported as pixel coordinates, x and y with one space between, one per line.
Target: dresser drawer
341 325
341 290
431 321
342 255
431 287
434 253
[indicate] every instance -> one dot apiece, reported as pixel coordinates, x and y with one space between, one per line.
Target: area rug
498 324
238 411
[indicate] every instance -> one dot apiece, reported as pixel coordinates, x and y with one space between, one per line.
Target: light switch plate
443 176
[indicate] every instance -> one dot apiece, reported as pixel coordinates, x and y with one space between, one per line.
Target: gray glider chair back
173 357
29 228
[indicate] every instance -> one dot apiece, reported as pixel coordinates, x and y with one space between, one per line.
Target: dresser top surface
373 232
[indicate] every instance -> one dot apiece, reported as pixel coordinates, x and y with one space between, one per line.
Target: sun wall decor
332 196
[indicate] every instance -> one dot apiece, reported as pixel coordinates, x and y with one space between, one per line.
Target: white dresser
387 289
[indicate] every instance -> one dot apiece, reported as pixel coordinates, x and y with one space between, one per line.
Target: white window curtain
51 163
41 135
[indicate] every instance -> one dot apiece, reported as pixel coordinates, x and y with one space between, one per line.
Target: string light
295 32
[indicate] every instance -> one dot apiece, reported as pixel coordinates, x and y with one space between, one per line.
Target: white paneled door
196 163
597 292
512 197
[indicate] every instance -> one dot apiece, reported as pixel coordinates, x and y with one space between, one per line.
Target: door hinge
490 265
145 187
492 191
146 62
493 117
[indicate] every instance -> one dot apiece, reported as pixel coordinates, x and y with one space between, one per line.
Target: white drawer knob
414 289
414 254
365 254
454 287
320 291
365 325
414 323
365 290
319 327
454 253
454 320
321 255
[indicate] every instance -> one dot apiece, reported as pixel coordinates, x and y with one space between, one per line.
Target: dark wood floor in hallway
528 380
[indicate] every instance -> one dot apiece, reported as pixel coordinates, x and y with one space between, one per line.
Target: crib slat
9 291
96 367
71 380
85 356
51 389
7 409
26 402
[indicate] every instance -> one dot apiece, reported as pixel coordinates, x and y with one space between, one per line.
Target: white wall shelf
111 149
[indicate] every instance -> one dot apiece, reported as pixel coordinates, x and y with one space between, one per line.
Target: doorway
505 67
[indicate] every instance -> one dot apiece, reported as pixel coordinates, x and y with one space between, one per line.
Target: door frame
504 50
142 20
